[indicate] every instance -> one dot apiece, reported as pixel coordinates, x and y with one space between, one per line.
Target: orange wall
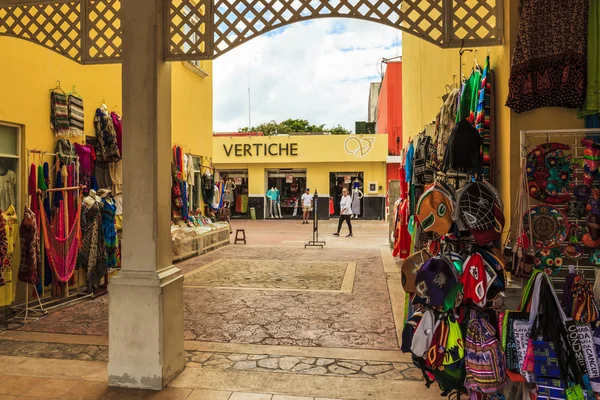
389 107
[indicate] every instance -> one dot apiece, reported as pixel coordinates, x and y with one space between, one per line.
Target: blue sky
317 70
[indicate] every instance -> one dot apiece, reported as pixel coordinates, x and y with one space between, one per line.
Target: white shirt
307 200
346 205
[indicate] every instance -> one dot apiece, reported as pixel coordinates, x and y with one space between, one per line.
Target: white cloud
318 70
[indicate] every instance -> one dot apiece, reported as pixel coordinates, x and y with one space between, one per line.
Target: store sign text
261 149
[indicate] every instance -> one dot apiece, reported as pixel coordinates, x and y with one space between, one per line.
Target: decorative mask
549 173
548 260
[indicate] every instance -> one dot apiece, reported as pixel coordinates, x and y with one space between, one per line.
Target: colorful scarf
75 116
30 249
482 121
59 114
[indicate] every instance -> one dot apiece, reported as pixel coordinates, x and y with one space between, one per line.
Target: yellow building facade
427 69
31 71
291 163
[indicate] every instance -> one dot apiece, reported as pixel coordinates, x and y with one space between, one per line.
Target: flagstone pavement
269 320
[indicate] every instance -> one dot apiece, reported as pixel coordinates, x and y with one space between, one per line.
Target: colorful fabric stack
482 121
59 114
75 116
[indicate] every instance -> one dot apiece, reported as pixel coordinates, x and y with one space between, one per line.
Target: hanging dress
355 202
30 249
92 254
110 234
548 67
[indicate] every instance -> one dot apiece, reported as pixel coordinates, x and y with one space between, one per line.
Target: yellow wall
192 108
320 155
428 68
29 71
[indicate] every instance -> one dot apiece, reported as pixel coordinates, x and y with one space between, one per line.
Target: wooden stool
241 239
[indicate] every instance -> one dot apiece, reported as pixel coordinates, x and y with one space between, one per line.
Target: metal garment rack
42 307
315 242
572 137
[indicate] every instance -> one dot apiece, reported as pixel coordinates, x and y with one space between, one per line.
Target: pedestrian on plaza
345 213
307 204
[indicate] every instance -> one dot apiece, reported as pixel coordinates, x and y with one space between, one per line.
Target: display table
193 241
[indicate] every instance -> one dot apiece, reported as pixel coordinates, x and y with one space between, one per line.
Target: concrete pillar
146 298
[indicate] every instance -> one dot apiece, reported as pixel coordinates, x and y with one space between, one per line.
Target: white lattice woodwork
189 29
476 21
89 31
56 26
104 37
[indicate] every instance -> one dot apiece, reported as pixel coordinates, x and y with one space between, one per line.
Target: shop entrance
236 181
290 183
339 181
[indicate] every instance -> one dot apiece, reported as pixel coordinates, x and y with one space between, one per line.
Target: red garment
32 189
403 183
331 207
118 124
403 238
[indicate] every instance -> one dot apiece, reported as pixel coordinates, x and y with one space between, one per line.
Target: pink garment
118 123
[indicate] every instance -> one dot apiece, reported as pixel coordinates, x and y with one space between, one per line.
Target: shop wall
29 71
389 107
192 107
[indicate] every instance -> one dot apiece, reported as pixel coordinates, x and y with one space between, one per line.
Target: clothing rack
44 304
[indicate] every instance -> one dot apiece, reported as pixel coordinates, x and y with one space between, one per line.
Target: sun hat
410 267
434 281
103 193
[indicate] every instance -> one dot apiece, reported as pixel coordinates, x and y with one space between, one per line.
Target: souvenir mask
595 257
592 237
582 192
575 209
591 161
548 260
549 173
434 211
549 226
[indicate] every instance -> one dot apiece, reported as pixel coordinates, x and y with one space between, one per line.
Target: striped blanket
75 116
59 114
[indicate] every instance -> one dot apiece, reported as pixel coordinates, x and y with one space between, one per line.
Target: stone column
146 297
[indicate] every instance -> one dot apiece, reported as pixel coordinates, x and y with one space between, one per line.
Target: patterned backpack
484 358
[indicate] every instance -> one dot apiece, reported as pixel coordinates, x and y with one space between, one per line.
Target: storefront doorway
291 184
341 180
238 198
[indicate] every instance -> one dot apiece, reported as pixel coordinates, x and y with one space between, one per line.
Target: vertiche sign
261 149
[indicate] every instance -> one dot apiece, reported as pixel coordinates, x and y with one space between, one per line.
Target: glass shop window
9 165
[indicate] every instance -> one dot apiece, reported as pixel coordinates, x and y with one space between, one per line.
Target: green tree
339 130
293 125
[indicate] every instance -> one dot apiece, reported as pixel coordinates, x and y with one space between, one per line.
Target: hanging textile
9 225
208 187
107 149
59 114
118 124
43 183
592 93
444 124
108 229
64 152
177 196
482 122
86 163
62 246
30 249
92 254
469 97
75 116
548 67
8 184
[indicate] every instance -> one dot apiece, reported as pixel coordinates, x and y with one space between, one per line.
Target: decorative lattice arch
89 31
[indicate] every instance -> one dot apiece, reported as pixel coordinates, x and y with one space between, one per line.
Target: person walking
345 213
307 203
